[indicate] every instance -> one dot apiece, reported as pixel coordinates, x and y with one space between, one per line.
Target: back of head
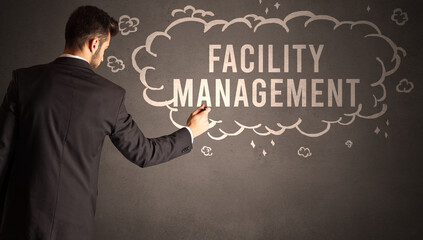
87 22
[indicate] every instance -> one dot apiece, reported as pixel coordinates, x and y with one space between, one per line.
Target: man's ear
93 45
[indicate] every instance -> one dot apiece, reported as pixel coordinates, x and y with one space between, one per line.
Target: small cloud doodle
349 143
115 64
207 151
399 17
304 152
128 24
404 86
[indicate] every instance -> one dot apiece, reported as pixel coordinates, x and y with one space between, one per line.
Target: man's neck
76 53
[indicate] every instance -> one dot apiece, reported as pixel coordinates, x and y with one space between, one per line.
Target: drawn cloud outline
133 23
249 20
398 13
206 151
111 61
409 86
349 143
304 152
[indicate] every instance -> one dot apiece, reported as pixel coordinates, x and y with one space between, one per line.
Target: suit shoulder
28 74
30 70
110 87
109 84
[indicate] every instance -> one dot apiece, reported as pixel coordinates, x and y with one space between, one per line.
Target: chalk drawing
115 64
349 143
304 152
399 17
404 86
254 22
377 130
128 25
277 5
207 151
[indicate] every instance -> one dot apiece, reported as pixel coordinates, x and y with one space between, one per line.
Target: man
53 122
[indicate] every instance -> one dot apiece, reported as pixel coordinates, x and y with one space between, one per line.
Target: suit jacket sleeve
142 151
8 135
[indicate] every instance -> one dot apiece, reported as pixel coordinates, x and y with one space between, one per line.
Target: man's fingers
205 111
198 110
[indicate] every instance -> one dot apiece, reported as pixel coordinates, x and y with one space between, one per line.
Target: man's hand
198 121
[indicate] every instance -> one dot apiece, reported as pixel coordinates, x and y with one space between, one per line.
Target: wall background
371 190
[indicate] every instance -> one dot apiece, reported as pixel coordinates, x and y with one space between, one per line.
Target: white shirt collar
72 56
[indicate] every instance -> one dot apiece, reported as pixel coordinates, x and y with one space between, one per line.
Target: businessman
53 121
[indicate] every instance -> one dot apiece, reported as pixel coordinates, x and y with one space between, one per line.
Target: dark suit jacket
53 122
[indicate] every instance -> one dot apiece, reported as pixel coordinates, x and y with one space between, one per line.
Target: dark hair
87 22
